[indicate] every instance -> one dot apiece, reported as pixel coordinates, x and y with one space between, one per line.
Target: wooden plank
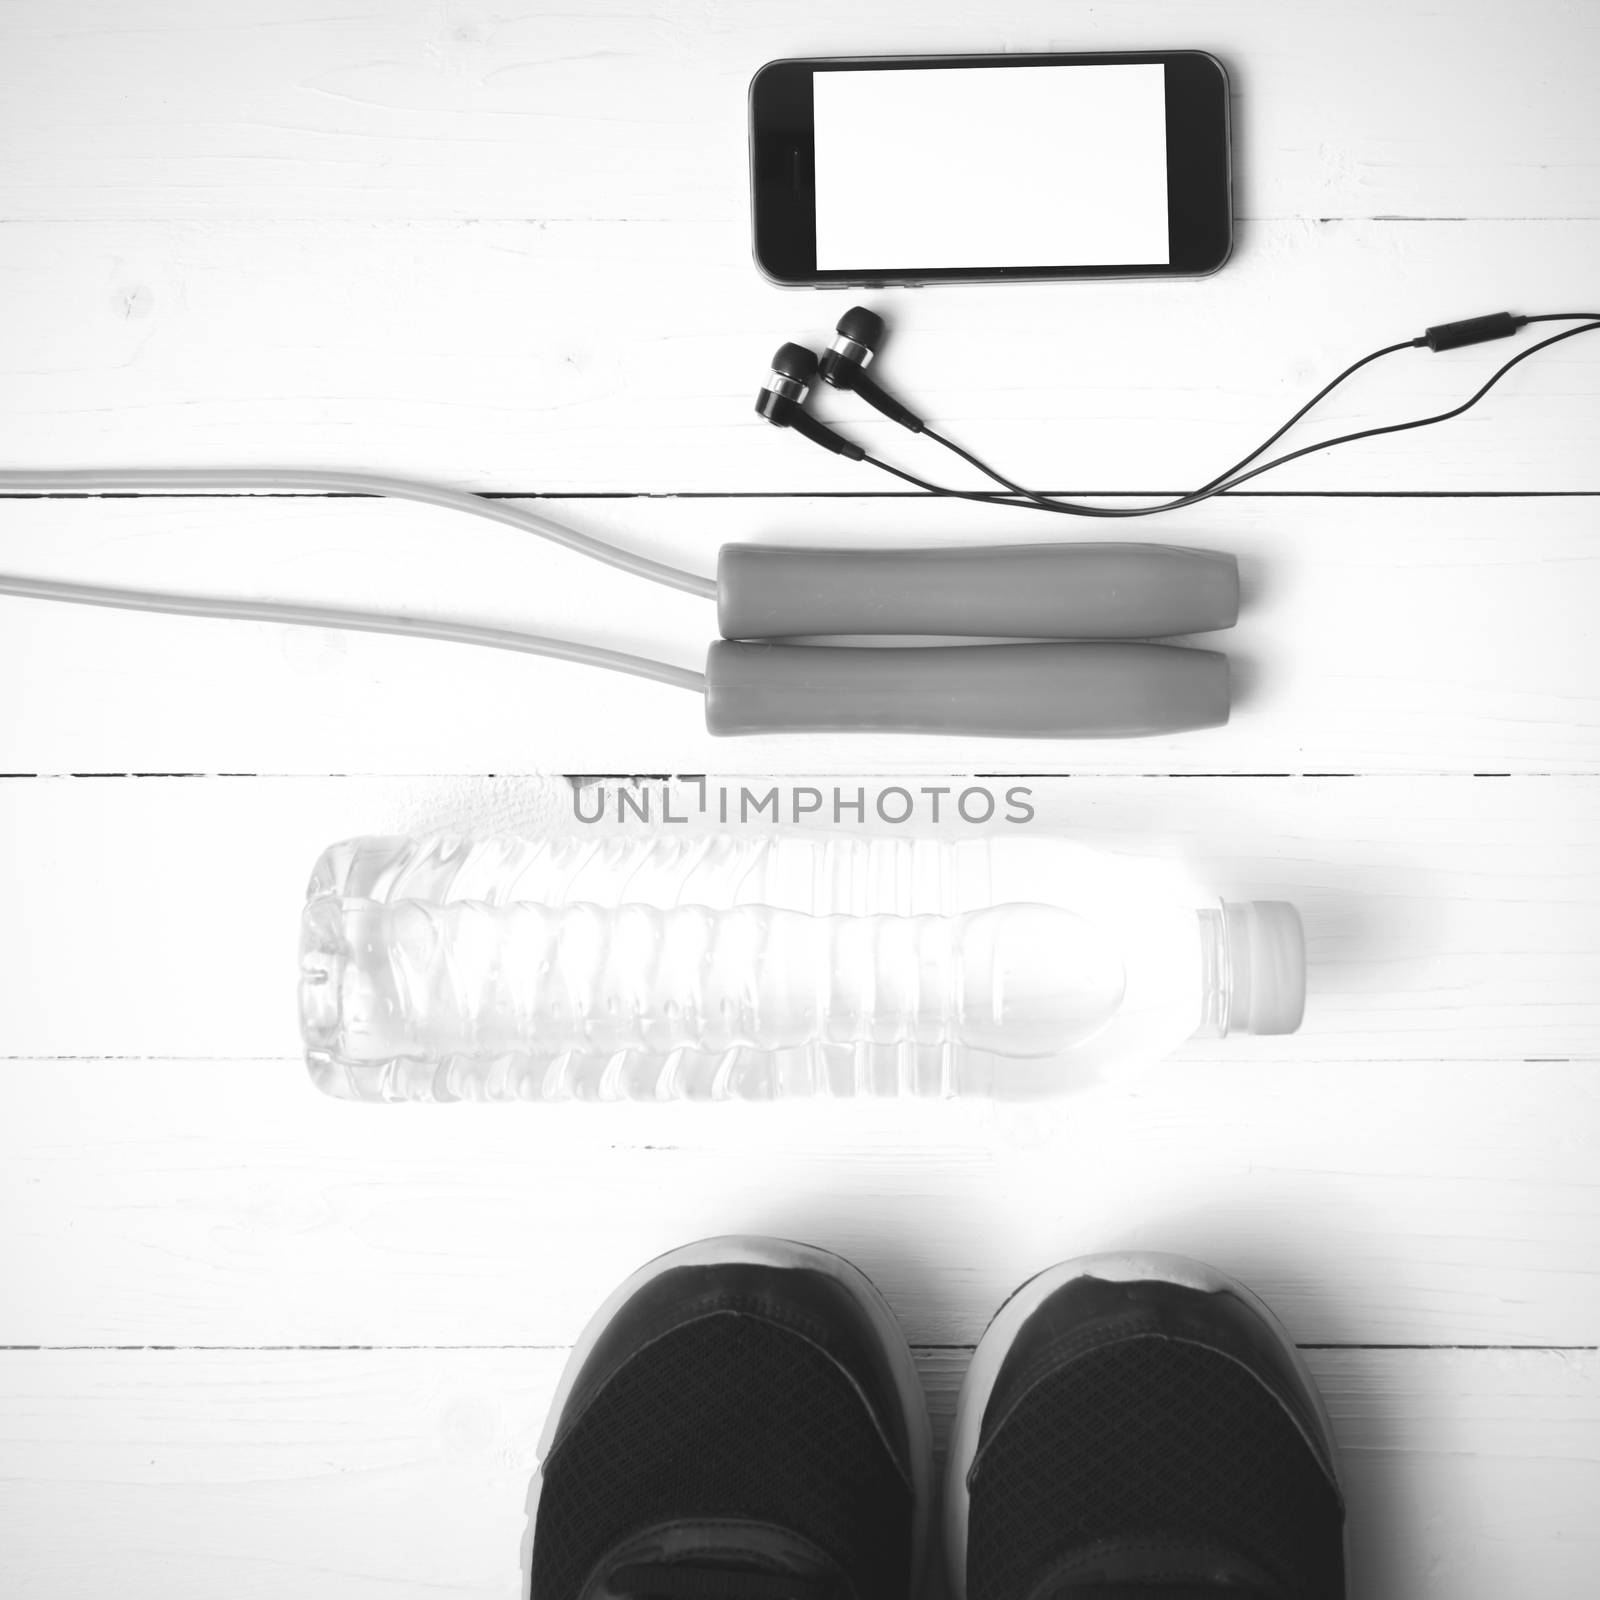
1387 636
1446 918
305 109
200 1202
398 1475
599 356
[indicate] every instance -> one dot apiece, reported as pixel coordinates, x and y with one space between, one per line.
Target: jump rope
1080 616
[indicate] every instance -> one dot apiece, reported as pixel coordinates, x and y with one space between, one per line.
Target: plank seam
853 494
535 1349
899 776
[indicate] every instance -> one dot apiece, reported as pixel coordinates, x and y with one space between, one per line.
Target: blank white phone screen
991 167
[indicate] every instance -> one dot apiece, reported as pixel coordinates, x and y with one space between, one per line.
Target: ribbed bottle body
743 965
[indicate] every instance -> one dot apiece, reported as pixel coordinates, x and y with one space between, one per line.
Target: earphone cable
1233 477
1400 427
1221 477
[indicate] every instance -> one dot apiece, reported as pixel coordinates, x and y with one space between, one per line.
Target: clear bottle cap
1267 966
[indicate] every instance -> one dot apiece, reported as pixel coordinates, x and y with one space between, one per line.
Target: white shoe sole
998 1337
761 1251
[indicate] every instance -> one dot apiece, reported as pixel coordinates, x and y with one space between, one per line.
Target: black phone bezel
783 176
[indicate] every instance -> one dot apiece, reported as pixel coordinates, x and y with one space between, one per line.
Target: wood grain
508 250
199 1202
303 108
403 1475
625 356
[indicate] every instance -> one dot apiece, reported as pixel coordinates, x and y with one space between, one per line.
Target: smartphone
934 169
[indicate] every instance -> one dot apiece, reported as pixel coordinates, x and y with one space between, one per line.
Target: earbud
844 363
782 400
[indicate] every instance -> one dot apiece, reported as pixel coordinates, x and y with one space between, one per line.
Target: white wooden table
262 1344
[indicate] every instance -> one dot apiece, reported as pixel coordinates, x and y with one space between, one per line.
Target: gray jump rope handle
1052 591
1030 691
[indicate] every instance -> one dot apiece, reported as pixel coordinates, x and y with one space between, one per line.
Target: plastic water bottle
510 968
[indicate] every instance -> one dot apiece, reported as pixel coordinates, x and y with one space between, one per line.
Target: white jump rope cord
230 480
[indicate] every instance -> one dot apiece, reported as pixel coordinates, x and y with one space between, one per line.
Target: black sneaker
1139 1427
740 1421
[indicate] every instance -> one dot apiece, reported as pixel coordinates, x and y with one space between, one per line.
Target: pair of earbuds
860 332
843 365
